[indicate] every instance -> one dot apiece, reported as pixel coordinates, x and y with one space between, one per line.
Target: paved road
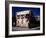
24 29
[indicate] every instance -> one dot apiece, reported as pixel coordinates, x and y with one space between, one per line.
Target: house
22 18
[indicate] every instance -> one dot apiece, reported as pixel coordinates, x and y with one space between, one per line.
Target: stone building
22 18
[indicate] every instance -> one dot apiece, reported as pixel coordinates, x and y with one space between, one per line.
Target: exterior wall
21 19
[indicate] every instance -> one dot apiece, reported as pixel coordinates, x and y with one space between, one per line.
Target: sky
35 11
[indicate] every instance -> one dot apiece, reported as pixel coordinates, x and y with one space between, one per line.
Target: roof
23 12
